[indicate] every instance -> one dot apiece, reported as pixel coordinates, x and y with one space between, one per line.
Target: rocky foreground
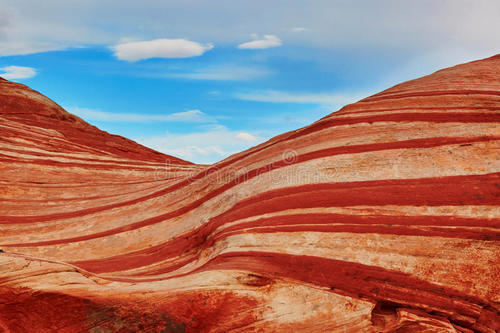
381 217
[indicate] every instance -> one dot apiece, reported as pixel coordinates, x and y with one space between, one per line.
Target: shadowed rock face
381 217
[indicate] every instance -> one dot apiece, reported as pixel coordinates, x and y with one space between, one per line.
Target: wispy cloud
27 25
299 29
265 43
195 116
196 154
159 48
244 136
14 47
211 142
17 72
225 73
273 96
207 147
13 39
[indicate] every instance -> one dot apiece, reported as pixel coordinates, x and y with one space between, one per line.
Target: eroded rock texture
381 217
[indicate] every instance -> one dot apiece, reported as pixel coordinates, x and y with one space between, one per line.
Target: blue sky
202 80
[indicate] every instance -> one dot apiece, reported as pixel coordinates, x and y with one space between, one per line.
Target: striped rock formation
381 217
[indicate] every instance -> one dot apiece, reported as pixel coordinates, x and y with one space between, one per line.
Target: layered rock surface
381 217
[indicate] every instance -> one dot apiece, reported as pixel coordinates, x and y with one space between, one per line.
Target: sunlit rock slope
381 217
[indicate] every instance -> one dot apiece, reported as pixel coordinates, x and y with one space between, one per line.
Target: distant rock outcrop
381 217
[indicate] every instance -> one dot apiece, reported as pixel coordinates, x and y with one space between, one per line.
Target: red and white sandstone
381 217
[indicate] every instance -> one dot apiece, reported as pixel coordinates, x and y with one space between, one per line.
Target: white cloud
213 142
273 96
13 47
299 29
267 42
196 154
415 27
17 72
204 147
159 48
19 37
225 73
244 136
195 116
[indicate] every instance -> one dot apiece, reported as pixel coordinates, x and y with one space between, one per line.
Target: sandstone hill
381 217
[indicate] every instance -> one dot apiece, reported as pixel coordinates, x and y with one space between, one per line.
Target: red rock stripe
416 230
352 278
192 243
456 190
328 218
414 108
390 95
327 122
35 114
439 191
9 159
448 117
442 191
417 143
454 232
63 144
76 185
428 117
47 155
53 200
187 245
348 278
